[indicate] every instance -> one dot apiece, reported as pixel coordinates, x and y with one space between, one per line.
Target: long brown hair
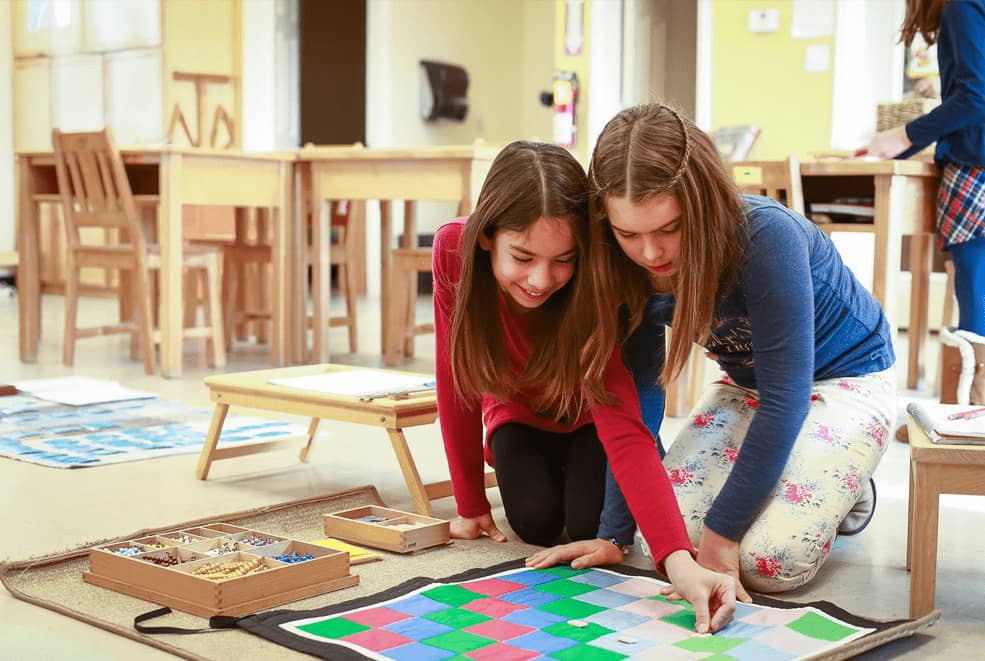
646 151
527 181
923 17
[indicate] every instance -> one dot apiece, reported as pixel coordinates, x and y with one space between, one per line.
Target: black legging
549 482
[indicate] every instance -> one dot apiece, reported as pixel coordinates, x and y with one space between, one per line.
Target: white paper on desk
960 428
358 383
80 390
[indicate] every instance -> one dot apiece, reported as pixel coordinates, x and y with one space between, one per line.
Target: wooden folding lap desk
253 390
934 470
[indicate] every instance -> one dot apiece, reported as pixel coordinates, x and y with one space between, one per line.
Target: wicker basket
891 115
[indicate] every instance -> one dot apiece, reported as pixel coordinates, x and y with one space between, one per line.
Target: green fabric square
457 618
579 652
820 627
458 641
565 588
679 602
713 644
561 571
683 618
571 608
336 627
581 634
453 595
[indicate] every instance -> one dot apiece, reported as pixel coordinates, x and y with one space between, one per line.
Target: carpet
55 582
59 436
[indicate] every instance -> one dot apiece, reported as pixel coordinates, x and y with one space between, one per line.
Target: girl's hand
581 554
721 554
711 594
887 144
470 528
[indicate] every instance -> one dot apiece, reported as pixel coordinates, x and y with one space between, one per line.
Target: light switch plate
763 20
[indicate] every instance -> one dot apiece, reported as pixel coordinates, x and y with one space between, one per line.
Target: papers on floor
364 384
80 390
934 419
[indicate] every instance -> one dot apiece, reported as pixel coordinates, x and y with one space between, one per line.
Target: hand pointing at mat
471 527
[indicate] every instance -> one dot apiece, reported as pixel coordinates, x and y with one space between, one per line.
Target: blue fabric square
736 629
617 620
531 617
417 652
417 628
417 605
606 598
599 579
530 577
542 643
528 597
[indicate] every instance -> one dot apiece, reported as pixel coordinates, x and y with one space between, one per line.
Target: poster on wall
574 27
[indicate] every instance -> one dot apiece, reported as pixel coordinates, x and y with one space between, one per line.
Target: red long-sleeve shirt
627 442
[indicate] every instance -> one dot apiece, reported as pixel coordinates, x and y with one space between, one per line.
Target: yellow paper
357 554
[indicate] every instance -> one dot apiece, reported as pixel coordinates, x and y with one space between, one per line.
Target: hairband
687 147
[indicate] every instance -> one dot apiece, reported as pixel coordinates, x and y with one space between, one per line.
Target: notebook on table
940 423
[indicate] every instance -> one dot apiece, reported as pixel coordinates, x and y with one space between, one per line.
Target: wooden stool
934 469
253 390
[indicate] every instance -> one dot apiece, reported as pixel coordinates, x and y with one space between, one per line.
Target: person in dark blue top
779 450
958 126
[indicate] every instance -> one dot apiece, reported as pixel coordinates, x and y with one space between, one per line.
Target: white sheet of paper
358 383
80 390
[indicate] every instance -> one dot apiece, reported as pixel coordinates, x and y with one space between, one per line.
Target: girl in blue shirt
958 126
779 450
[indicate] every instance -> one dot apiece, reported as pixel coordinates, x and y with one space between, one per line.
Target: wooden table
934 469
178 177
253 390
360 174
904 194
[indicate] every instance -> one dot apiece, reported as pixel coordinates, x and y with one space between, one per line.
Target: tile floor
48 510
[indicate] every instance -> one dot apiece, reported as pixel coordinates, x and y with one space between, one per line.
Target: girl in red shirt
513 309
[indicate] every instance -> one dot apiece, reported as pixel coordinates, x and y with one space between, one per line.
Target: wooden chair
779 180
406 262
95 192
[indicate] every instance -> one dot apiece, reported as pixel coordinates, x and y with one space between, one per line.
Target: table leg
413 479
909 520
169 235
29 260
923 560
386 272
920 267
211 440
312 430
321 274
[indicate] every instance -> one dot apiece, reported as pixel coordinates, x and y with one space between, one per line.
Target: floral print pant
838 448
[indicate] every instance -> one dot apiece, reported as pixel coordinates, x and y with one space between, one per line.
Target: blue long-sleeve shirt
958 124
797 315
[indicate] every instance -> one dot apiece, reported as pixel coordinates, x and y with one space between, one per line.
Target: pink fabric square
492 607
773 617
650 608
498 629
500 652
376 617
377 639
493 587
638 587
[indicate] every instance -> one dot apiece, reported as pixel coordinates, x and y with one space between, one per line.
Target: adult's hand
472 527
581 554
887 144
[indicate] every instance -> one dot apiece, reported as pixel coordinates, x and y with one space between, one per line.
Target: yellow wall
578 64
759 78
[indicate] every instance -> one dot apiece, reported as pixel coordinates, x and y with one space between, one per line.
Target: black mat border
267 624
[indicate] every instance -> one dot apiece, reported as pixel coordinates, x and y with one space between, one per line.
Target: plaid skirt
960 205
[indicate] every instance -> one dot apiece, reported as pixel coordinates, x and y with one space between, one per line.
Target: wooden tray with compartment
129 567
387 529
